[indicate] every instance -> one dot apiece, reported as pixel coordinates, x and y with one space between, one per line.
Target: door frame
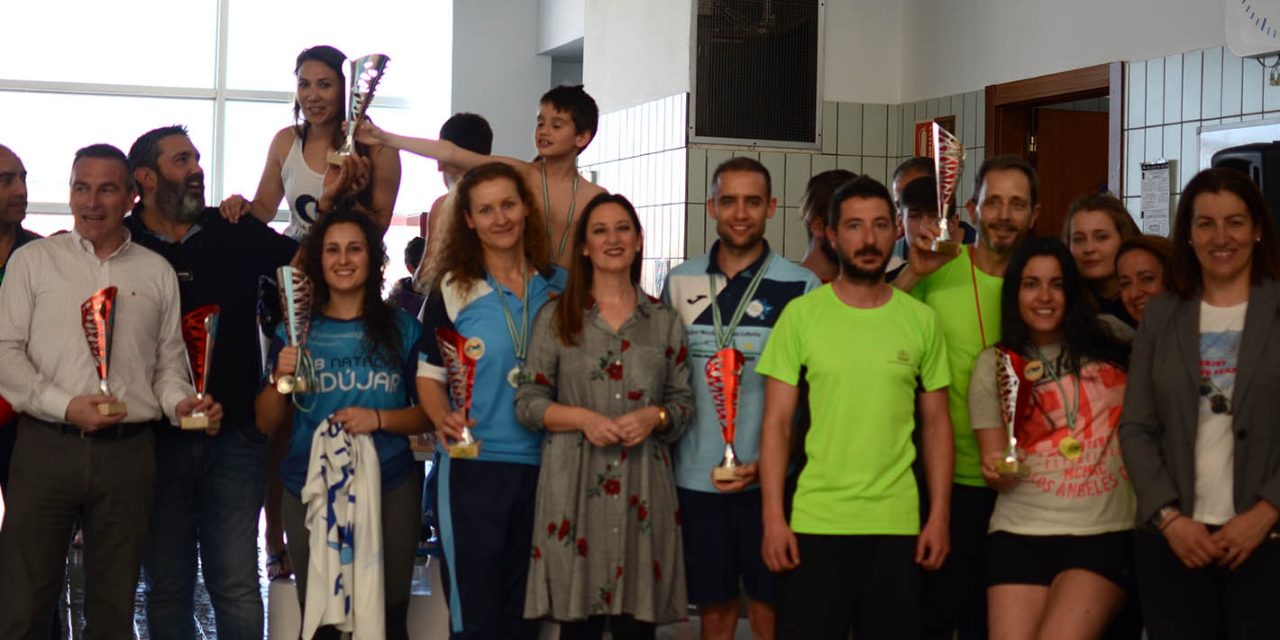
1009 118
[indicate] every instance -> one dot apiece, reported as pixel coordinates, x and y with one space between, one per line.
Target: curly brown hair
460 256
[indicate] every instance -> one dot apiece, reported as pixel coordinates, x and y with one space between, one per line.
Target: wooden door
1071 160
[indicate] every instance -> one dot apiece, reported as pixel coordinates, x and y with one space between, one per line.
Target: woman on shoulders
297 168
608 382
1200 434
364 352
1059 557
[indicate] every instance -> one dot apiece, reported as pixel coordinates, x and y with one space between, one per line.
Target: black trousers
1210 603
955 596
867 585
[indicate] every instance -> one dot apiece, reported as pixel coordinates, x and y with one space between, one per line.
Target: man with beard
965 292
730 297
13 209
209 484
849 552
820 258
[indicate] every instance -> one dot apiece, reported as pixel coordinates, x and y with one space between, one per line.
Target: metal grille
757 70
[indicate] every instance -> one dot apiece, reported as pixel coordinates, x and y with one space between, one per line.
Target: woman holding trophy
493 273
607 380
302 167
363 353
1045 402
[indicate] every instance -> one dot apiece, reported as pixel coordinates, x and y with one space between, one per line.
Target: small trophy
724 378
365 74
460 356
1013 396
296 295
948 159
198 329
98 317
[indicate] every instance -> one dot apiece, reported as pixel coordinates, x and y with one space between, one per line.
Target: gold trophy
198 329
460 356
98 317
948 160
365 73
1013 396
724 378
296 297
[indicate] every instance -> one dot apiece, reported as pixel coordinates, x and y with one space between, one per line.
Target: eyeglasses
1218 402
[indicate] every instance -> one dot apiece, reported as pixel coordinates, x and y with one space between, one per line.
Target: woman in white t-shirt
297 168
1059 551
1200 431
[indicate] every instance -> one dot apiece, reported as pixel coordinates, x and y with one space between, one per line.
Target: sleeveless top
302 189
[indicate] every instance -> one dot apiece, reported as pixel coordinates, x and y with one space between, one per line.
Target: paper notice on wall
1156 194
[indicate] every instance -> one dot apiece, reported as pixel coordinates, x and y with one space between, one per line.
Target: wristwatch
1165 514
662 418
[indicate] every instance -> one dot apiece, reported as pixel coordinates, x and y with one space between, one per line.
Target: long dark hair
1084 336
381 333
1186 277
577 293
460 255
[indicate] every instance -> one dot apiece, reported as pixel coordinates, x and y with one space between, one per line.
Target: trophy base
724 474
464 450
947 247
195 422
111 408
335 158
1013 468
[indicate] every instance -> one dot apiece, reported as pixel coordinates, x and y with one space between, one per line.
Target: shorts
722 536
1021 559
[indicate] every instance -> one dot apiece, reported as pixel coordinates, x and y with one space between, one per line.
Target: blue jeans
208 494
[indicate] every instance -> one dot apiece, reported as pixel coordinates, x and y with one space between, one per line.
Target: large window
77 73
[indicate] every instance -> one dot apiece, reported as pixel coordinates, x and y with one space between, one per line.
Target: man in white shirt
70 459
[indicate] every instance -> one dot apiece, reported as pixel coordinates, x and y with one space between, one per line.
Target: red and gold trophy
296 297
460 356
198 329
724 378
1014 394
98 317
948 159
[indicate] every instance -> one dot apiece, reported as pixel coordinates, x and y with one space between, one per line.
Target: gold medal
474 348
1033 371
1070 448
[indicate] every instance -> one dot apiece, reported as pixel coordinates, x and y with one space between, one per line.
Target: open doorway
1068 125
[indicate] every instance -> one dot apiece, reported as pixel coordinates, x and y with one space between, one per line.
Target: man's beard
177 202
851 271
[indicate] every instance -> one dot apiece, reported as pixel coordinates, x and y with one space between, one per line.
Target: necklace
546 208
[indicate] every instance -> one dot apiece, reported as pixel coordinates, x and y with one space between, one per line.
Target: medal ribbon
546 210
520 339
724 335
1072 410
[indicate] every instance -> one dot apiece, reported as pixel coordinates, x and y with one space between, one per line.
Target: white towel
343 496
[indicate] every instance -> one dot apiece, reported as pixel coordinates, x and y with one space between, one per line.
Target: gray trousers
55 478
401 527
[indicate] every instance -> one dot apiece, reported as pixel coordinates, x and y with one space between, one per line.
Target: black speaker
1261 161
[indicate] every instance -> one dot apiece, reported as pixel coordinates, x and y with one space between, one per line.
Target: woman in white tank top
296 166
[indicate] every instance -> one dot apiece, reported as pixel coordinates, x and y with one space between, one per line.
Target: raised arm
384 184
440 150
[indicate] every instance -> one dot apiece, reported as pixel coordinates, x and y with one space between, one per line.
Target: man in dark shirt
13 209
209 485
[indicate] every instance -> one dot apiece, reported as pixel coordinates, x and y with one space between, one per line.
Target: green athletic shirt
950 292
861 366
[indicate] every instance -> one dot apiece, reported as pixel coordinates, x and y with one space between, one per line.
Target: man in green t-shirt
965 292
848 555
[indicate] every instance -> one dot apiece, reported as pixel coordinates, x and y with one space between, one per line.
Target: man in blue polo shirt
729 298
209 485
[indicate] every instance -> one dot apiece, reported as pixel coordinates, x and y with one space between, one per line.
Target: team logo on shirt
758 309
903 357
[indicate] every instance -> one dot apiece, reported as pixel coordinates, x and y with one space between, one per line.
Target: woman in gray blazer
1201 427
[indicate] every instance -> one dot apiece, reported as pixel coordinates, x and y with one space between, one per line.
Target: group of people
1031 438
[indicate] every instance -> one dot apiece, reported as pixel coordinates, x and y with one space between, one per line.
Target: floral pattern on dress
616 505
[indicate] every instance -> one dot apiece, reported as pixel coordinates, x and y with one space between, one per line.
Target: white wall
952 46
497 71
636 51
559 22
862 44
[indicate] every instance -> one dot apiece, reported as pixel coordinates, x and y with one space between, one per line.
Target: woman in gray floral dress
607 379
